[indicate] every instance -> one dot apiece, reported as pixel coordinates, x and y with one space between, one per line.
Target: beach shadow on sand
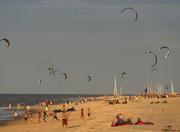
74 126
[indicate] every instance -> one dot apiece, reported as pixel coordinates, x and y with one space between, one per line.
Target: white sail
120 90
115 87
172 87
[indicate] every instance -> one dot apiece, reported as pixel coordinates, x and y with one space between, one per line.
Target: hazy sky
87 37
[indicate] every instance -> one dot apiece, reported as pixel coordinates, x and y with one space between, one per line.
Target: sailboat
115 87
172 87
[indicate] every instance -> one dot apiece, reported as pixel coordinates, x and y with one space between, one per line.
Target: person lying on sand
120 121
140 122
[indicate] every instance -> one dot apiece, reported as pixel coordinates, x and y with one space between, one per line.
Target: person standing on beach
82 114
44 116
31 117
15 114
55 116
28 108
39 116
65 117
25 116
18 106
89 113
10 106
63 107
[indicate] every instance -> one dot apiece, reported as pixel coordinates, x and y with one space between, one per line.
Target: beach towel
57 110
71 109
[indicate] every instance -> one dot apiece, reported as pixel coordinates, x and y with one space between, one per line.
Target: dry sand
161 114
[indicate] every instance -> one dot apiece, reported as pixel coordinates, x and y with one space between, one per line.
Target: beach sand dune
161 114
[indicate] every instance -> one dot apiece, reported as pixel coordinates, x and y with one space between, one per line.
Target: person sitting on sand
164 101
125 101
65 117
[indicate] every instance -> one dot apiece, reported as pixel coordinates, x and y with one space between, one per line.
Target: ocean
32 99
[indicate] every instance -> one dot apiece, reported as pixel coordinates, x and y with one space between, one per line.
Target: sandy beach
103 113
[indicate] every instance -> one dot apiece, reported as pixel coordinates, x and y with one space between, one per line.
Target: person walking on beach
63 107
39 116
25 116
89 113
31 116
10 106
82 114
28 108
54 115
65 117
44 116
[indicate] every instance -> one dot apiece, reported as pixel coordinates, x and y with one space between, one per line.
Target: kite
89 78
155 56
168 51
8 44
122 75
130 8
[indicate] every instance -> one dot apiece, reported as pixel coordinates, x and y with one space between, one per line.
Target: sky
87 37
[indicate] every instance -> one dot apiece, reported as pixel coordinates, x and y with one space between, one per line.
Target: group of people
120 121
44 115
65 116
88 113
